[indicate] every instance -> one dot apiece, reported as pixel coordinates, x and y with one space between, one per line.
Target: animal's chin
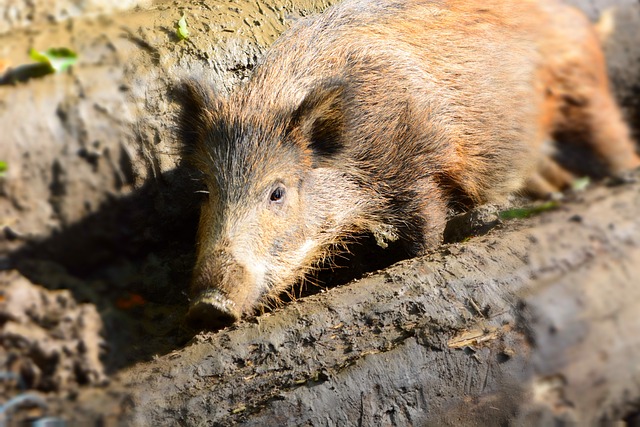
267 298
273 293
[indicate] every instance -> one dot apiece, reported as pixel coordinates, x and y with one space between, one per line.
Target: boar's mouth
212 310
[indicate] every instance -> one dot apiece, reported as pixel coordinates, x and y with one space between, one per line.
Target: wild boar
380 117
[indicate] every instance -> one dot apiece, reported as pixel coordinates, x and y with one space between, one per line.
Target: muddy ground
97 213
534 323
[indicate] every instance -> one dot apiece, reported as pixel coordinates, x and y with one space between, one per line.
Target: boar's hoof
212 310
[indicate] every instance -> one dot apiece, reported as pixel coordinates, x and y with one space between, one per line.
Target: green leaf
580 184
183 32
58 59
3 167
519 213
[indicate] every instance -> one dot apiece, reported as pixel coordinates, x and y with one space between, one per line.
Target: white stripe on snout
255 268
258 269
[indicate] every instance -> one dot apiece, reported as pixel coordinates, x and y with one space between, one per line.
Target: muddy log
534 323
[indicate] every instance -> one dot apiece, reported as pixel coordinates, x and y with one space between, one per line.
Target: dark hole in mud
24 73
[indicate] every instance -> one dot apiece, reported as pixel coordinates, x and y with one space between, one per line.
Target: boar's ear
320 118
198 106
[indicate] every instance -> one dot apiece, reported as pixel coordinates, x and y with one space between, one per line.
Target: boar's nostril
211 310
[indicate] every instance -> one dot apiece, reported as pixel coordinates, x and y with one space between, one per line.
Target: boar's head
280 195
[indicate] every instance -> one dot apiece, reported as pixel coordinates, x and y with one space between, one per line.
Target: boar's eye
277 195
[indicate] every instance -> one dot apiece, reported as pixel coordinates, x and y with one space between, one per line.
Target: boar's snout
222 290
212 310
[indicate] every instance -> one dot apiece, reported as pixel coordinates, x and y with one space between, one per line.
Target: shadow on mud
132 259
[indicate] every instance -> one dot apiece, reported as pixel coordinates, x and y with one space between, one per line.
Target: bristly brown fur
379 117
